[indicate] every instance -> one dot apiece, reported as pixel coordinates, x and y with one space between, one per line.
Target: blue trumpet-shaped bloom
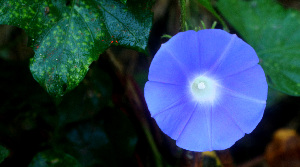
206 89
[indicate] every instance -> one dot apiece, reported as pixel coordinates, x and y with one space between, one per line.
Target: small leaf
67 38
53 158
166 36
3 153
274 33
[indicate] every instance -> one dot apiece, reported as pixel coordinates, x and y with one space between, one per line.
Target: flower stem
157 155
183 14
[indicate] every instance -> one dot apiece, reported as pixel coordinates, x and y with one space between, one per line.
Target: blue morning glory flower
206 89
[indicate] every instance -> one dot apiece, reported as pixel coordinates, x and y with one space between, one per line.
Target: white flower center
203 89
201 85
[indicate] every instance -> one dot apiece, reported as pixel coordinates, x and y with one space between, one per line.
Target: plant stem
157 155
183 14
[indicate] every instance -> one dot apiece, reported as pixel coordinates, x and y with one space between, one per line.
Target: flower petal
211 45
236 57
246 112
223 53
165 68
225 132
251 83
173 120
160 96
196 135
184 47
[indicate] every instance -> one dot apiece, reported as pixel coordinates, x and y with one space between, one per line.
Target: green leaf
53 158
68 37
274 33
3 153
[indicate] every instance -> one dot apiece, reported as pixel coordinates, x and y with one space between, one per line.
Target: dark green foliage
52 158
67 36
3 153
109 141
